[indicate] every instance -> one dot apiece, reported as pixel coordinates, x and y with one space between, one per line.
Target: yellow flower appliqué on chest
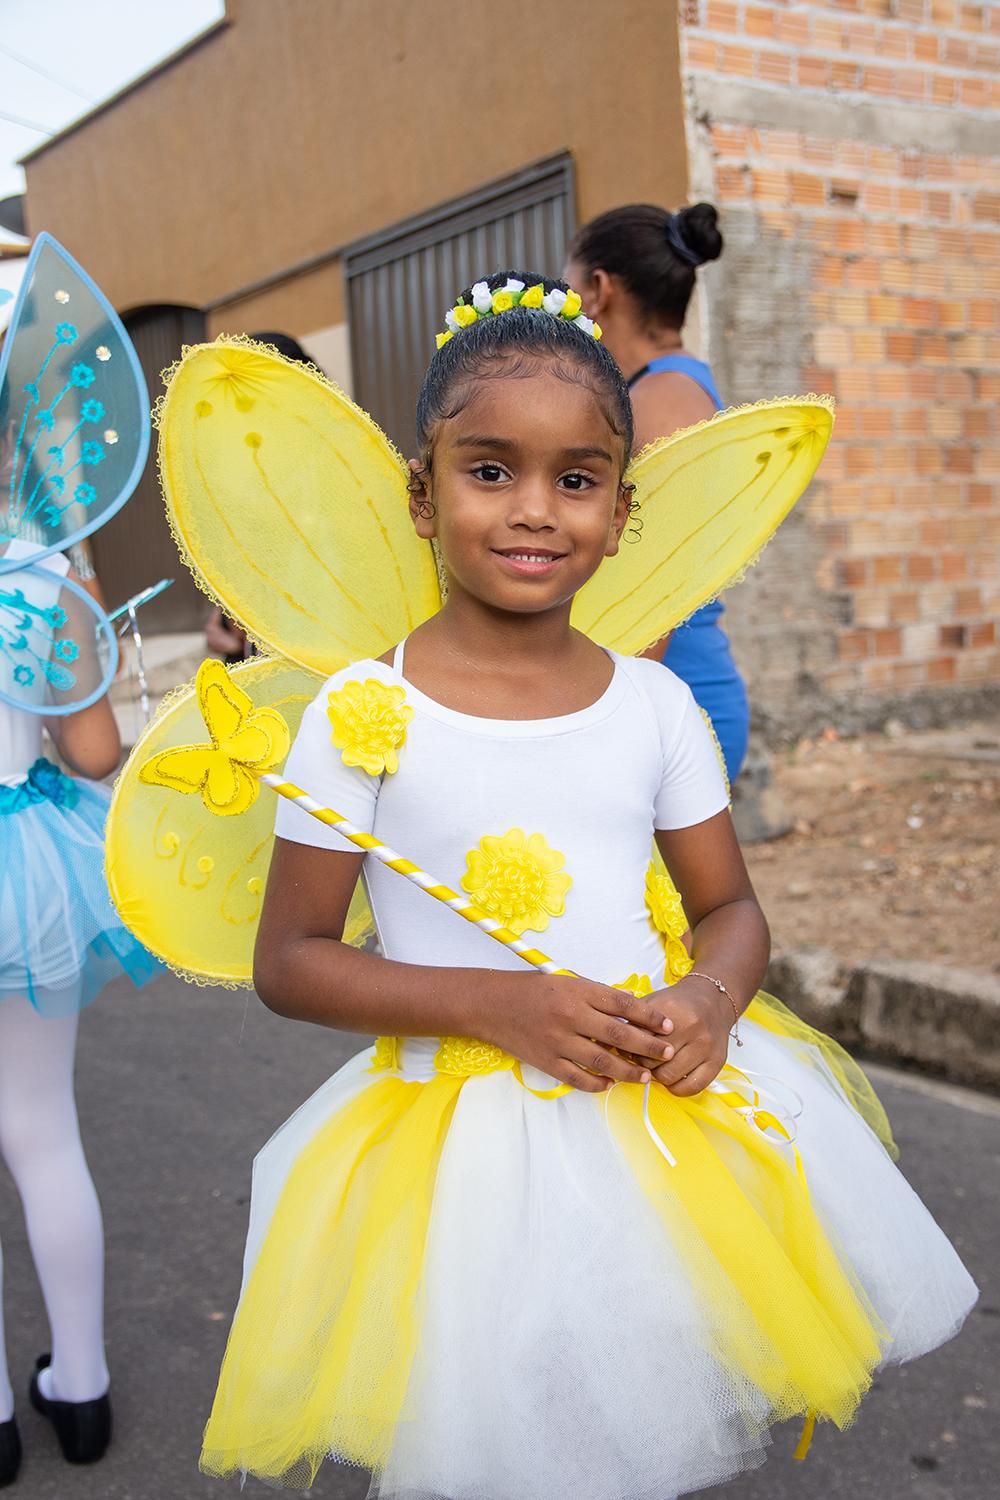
369 722
517 878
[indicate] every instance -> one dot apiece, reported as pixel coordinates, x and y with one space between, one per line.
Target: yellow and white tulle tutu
484 1288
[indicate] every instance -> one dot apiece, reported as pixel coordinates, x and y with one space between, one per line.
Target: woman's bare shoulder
664 403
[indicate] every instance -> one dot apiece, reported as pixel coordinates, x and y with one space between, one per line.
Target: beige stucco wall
331 349
311 299
302 126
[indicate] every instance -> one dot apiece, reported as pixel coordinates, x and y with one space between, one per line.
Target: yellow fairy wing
359 924
711 497
188 883
290 506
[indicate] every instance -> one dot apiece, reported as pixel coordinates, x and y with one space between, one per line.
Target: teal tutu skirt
61 940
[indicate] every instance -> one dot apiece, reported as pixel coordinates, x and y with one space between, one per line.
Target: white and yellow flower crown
488 304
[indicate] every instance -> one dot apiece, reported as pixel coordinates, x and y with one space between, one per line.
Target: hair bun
698 226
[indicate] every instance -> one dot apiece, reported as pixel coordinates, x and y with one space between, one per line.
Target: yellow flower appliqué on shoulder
369 722
516 878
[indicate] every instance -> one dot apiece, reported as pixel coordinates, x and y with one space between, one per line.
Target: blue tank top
699 650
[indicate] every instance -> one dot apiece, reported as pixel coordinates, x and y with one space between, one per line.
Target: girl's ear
619 518
422 510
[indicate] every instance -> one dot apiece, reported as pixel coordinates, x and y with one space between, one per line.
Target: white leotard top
576 796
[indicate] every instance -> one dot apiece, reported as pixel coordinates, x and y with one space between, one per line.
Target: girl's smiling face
526 496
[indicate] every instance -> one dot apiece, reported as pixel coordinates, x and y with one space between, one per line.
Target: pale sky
88 49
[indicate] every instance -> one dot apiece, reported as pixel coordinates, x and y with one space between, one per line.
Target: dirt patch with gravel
894 849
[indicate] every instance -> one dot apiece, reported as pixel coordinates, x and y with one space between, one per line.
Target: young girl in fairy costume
555 1234
74 432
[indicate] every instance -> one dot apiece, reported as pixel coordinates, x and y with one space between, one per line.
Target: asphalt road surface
178 1086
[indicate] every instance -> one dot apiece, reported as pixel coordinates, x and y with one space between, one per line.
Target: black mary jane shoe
10 1452
82 1427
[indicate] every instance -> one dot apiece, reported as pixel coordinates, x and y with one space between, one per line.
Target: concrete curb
945 1021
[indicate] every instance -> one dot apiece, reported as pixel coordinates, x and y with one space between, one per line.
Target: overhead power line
28 124
27 62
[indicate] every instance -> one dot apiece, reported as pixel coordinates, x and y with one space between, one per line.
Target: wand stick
403 866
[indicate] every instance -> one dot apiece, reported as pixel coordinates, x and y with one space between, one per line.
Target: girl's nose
532 505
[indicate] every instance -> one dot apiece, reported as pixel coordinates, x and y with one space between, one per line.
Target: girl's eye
577 482
489 473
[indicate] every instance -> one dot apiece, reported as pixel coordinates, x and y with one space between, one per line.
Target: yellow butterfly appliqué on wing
244 740
187 882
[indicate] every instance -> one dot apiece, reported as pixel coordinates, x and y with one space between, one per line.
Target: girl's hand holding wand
586 1035
563 1025
573 1029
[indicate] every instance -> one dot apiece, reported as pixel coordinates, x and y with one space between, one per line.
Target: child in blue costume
635 268
71 400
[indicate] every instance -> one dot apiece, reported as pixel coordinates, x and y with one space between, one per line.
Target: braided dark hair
654 253
512 344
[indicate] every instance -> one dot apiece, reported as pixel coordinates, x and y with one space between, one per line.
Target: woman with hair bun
635 269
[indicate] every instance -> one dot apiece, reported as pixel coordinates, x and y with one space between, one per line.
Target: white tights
40 1142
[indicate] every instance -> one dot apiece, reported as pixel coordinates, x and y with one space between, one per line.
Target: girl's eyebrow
579 453
570 455
485 442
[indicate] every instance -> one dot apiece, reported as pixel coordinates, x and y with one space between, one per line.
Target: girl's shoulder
663 697
653 680
664 402
367 669
363 690
360 709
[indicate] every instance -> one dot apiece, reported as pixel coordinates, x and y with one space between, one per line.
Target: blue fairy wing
74 410
58 652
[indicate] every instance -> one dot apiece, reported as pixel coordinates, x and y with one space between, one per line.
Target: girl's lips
531 563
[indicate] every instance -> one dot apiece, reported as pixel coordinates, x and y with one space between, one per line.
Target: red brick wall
846 146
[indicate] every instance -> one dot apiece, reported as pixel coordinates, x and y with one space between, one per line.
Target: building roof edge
169 61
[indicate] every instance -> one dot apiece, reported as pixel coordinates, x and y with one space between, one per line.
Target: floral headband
489 304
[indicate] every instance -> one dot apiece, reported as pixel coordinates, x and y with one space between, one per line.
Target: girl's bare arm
730 942
89 741
563 1025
